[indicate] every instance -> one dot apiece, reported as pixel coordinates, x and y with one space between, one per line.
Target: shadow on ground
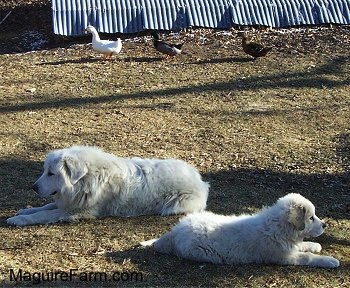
317 77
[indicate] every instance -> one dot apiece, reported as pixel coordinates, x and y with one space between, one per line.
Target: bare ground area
256 130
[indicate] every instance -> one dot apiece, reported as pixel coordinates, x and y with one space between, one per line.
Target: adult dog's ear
296 216
75 169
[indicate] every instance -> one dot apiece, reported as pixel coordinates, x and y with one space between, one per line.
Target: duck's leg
109 56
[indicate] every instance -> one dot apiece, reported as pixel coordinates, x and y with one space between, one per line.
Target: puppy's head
300 213
62 170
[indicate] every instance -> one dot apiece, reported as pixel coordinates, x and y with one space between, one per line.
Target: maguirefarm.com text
20 275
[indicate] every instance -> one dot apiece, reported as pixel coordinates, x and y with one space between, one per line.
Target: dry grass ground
255 129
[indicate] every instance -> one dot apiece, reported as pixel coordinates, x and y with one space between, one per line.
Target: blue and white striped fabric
70 17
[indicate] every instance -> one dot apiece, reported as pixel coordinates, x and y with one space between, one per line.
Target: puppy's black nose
35 187
324 225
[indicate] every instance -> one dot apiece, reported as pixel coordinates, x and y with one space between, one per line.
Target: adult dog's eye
50 174
312 218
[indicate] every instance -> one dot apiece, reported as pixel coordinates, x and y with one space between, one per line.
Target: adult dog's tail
148 242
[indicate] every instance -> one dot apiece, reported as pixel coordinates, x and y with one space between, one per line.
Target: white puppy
274 235
86 182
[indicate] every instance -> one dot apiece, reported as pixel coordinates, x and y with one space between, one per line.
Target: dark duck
253 49
166 48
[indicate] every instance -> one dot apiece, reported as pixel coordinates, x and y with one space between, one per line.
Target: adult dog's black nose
35 187
324 225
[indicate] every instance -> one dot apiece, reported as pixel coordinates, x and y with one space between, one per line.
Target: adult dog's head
300 213
62 170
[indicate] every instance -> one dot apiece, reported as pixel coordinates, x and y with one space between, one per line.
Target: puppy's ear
75 169
296 216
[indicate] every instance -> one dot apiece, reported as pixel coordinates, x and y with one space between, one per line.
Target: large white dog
86 182
275 235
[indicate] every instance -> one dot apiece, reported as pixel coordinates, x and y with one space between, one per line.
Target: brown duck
254 49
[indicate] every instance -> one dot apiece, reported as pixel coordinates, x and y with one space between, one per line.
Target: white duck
105 47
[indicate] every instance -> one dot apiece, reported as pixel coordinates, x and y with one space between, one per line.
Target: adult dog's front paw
24 211
20 220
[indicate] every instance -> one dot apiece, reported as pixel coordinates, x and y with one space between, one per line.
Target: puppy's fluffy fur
274 235
86 182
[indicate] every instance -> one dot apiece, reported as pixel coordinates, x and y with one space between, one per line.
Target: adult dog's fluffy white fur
86 182
274 235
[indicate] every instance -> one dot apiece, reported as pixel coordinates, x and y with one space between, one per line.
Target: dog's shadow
327 240
162 270
167 268
3 219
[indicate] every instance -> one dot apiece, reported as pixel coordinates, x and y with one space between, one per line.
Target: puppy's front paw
314 247
18 221
333 262
329 262
310 247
